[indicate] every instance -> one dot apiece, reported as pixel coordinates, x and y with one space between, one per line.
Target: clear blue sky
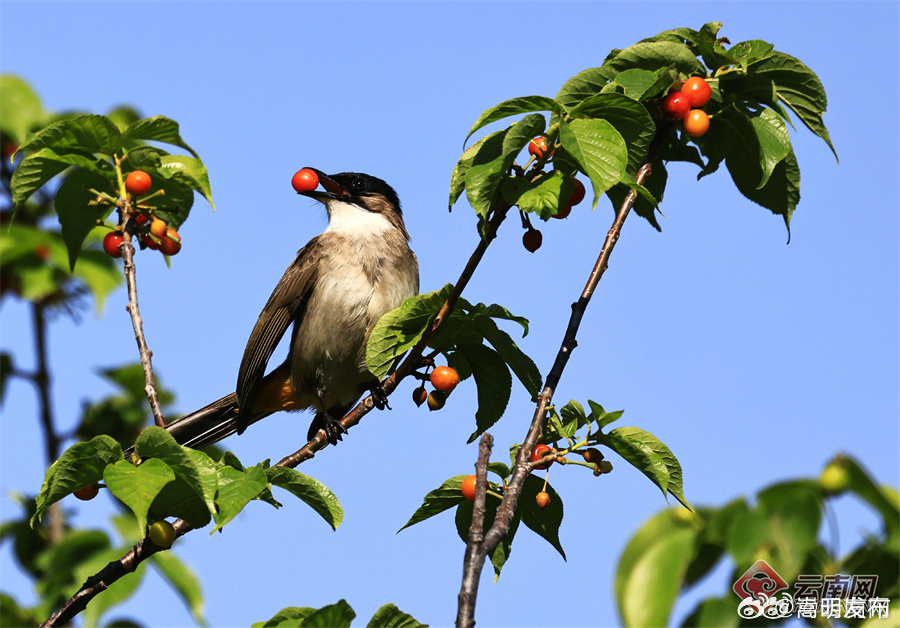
753 360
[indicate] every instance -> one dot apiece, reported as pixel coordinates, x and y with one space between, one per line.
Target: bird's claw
379 397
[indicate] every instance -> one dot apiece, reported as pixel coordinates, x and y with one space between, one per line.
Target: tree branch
465 617
137 322
523 466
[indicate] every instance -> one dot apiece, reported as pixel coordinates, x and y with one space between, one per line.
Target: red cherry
305 180
676 105
696 123
137 182
468 488
538 147
697 90
149 242
111 242
171 244
577 193
141 219
444 378
538 453
87 493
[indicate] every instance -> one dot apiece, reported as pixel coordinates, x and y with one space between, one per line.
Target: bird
341 282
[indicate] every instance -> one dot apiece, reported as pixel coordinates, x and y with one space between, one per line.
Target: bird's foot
332 428
379 397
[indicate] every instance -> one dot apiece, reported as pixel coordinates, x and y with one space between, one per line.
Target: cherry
444 379
538 147
532 240
538 453
171 244
162 533
141 219
158 228
676 105
697 90
305 180
696 123
87 493
542 499
468 488
111 242
835 479
149 242
592 455
137 183
419 395
436 400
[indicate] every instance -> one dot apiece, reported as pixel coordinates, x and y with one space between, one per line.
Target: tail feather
208 425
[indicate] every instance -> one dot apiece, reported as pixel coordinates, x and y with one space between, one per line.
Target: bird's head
358 202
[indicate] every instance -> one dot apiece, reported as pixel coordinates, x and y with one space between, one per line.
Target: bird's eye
358 184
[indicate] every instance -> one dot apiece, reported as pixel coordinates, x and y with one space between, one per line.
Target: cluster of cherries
154 234
444 379
685 105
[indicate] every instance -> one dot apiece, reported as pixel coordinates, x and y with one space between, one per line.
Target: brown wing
287 303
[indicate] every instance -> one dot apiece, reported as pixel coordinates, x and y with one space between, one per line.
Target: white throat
354 221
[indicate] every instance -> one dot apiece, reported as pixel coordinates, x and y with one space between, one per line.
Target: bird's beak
332 188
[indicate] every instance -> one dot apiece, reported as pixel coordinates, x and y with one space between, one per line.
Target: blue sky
752 359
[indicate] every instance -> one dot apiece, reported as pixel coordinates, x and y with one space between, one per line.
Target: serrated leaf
542 196
400 329
80 465
137 486
236 490
650 456
458 177
515 106
289 617
160 129
494 385
185 582
601 416
21 107
337 615
190 172
583 85
651 570
90 133
444 497
641 84
598 148
76 217
774 142
545 523
311 491
629 117
746 52
194 469
389 616
798 87
494 159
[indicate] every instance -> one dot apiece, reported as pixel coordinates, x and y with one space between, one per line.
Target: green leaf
494 158
651 570
746 52
89 133
80 465
311 491
185 582
794 510
599 150
100 274
601 416
338 615
584 84
444 497
878 497
798 87
515 106
542 196
494 385
137 486
76 217
640 84
714 613
188 171
236 490
774 142
524 367
389 616
21 107
196 473
399 330
458 177
160 129
654 55
630 119
545 523
650 456
655 184
289 617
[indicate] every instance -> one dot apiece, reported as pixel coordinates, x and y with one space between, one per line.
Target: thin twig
471 565
131 280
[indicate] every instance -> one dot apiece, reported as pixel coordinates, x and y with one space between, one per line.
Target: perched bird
340 284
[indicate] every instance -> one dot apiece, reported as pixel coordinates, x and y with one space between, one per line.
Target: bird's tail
208 425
